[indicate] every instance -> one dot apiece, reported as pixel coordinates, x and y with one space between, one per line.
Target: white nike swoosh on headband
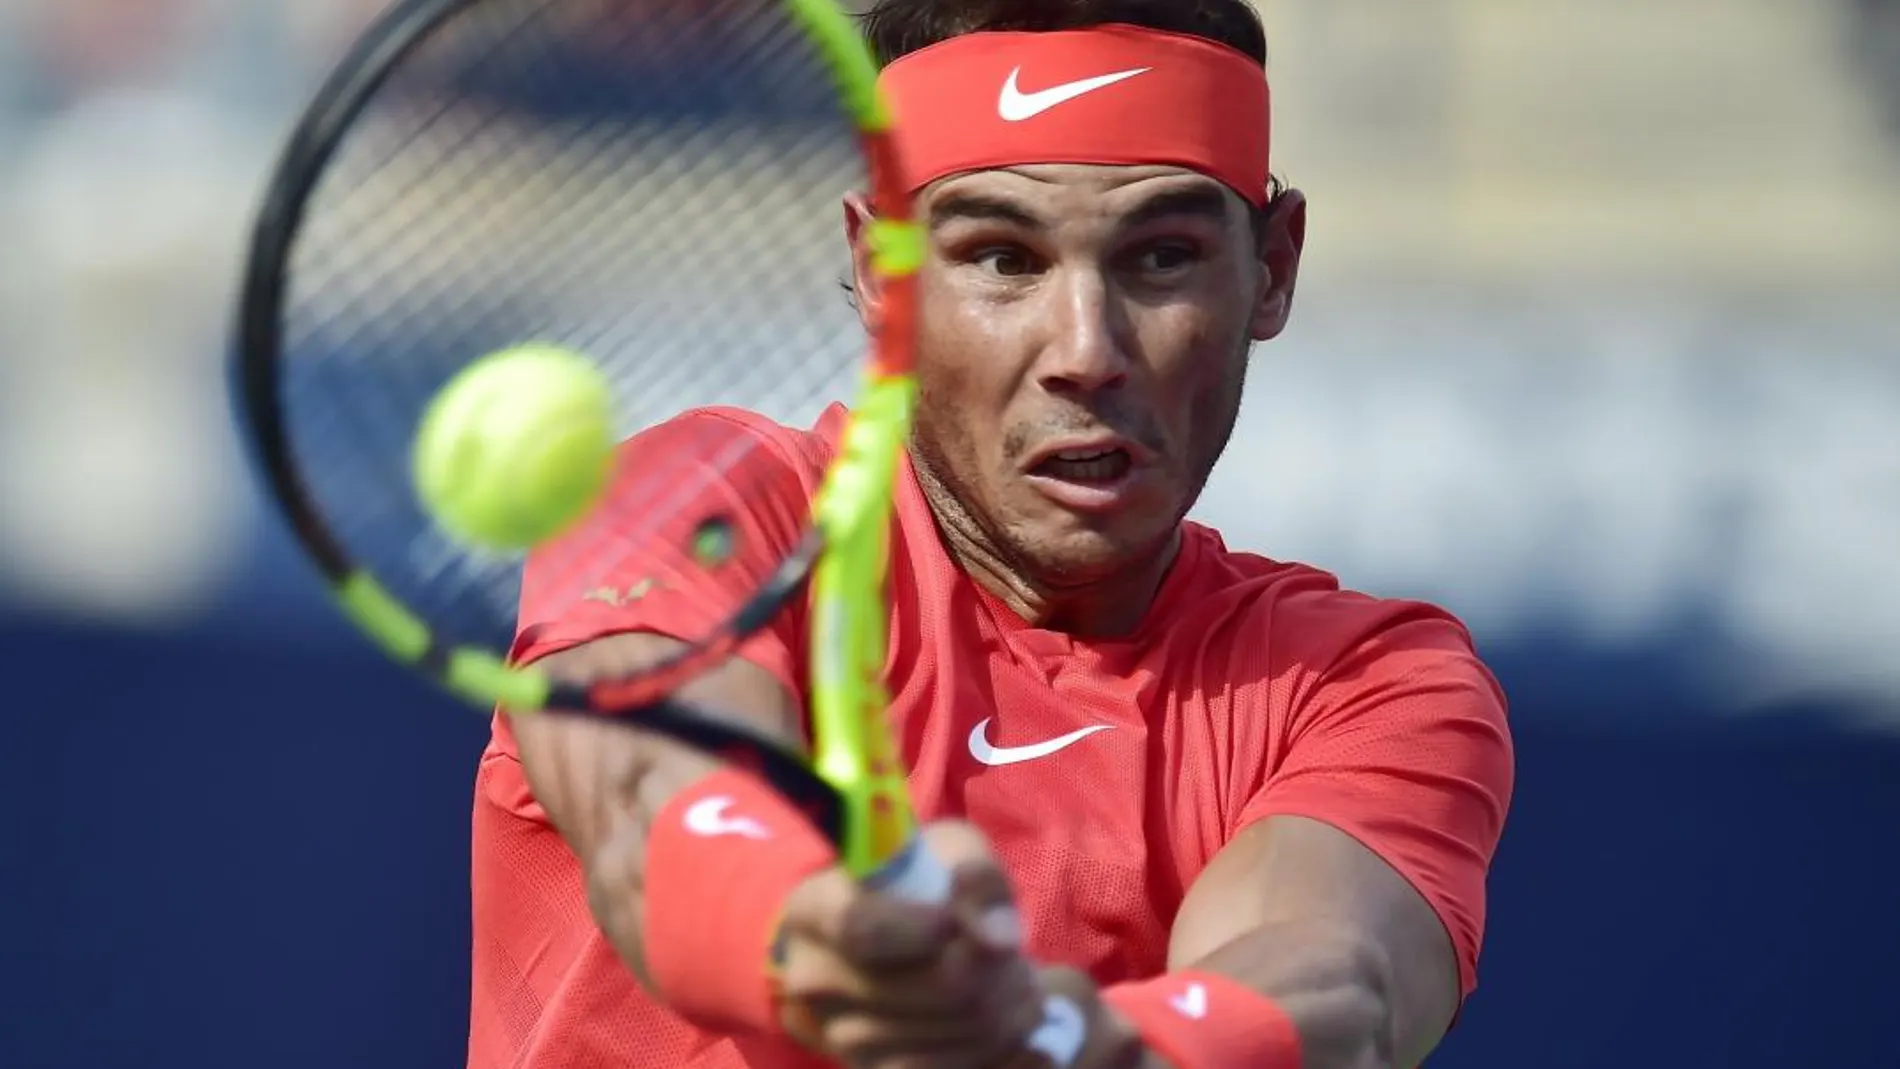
1015 105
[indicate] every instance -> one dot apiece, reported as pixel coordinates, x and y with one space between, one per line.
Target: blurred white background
1599 330
135 136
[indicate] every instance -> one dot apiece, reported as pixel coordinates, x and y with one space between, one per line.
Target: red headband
1111 95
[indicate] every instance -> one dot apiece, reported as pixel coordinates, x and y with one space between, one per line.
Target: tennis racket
654 183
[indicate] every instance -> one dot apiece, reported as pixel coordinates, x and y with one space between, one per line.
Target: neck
1109 606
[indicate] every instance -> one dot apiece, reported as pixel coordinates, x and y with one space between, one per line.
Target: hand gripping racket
654 183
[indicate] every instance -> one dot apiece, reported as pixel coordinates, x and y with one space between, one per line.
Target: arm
698 914
618 594
1306 915
602 785
860 973
1352 895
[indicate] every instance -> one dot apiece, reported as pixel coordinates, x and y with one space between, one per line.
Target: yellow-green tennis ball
517 448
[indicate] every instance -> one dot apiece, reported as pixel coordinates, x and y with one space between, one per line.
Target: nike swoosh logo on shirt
1015 105
981 749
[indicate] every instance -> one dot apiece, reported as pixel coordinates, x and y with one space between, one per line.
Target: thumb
980 893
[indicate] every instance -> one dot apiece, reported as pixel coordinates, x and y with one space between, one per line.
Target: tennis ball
517 447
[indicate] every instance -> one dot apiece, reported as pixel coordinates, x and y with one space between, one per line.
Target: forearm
1330 982
602 785
606 818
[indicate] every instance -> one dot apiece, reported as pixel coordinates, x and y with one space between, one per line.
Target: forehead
1057 190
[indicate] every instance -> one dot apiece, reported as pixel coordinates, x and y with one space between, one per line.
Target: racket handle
916 875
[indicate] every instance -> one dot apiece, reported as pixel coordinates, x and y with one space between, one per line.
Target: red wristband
1201 1020
722 858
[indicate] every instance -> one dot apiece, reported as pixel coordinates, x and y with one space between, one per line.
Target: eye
1167 257
1004 261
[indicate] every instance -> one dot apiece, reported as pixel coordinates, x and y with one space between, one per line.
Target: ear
867 296
1282 238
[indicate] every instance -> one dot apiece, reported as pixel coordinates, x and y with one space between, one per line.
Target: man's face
1085 337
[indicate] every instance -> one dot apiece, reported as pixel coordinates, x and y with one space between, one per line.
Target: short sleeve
633 565
1403 744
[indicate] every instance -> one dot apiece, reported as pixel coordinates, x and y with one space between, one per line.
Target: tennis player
1243 817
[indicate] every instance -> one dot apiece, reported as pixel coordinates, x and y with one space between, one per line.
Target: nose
1084 353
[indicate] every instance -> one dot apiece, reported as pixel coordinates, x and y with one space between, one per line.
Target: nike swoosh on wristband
1015 105
707 817
1191 1003
981 749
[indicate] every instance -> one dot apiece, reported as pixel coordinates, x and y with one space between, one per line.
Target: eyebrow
1202 201
974 207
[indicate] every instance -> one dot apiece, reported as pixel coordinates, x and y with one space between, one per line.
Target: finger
994 1036
962 1051
888 935
867 1039
980 892
963 983
871 931
1107 1041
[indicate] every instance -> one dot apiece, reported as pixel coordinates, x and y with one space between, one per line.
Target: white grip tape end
1060 1036
914 875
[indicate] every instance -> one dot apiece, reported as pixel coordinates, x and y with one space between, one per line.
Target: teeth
1087 465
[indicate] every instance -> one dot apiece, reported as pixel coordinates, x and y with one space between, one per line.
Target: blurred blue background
1598 344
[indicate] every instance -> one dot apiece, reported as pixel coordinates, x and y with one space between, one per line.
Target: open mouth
1086 465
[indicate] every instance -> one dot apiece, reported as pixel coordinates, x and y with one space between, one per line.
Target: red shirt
1106 773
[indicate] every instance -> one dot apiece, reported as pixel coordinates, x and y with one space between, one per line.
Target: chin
1087 552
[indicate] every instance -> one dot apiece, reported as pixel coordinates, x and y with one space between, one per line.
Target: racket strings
653 183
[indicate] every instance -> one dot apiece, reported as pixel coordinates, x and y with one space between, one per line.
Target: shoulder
1312 639
735 443
751 474
1372 715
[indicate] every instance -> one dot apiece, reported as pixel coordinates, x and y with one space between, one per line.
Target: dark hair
896 28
